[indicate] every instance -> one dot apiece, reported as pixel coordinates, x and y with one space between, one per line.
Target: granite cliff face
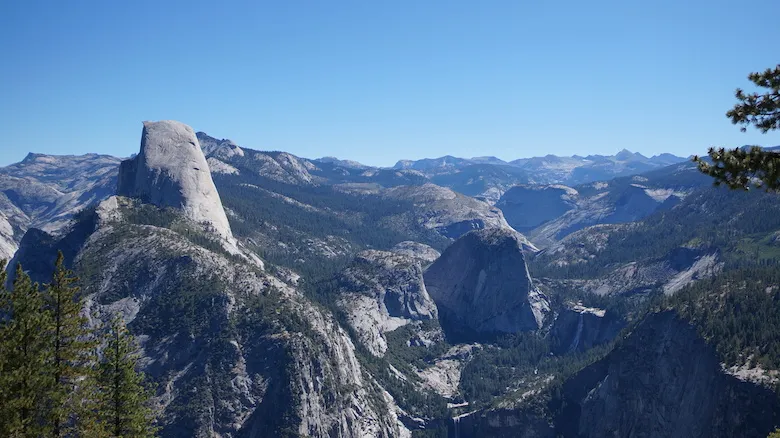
450 213
418 251
481 284
171 171
527 207
45 191
665 380
558 211
381 291
578 328
8 245
233 350
662 380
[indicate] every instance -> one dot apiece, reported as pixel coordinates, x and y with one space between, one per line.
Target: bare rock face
229 369
665 380
45 191
381 291
419 251
661 380
449 213
481 284
579 328
528 206
171 171
7 244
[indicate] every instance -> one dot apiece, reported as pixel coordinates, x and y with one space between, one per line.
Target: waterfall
576 342
456 426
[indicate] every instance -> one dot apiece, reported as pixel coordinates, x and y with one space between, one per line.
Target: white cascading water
576 342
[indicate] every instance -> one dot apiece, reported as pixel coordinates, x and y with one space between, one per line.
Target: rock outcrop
578 328
527 207
447 212
662 380
419 251
45 191
381 291
481 283
171 171
665 380
235 351
616 201
8 245
222 149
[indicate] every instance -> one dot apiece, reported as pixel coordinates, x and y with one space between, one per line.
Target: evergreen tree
123 403
743 168
71 347
24 360
5 346
759 110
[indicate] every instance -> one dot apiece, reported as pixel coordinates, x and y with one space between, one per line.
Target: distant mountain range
489 177
274 295
552 169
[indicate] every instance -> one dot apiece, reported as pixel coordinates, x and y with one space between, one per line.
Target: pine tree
123 400
71 347
5 346
25 356
750 167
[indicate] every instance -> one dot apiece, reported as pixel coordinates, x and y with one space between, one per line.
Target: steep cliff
578 328
662 380
665 380
527 207
233 350
171 171
381 291
45 191
481 284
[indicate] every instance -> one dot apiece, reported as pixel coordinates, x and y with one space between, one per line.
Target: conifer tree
743 168
24 357
123 405
71 347
5 345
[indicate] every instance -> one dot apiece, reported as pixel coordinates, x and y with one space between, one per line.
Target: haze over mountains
551 169
275 295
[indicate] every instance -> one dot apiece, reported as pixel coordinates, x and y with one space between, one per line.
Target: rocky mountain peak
481 284
625 155
223 149
171 171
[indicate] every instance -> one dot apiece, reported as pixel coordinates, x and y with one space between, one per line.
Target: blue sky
377 81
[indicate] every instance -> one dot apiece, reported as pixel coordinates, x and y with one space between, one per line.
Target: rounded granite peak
481 283
171 171
500 237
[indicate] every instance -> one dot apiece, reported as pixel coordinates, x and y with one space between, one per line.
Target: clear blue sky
377 81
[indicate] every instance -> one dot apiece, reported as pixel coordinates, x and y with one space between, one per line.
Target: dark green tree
72 347
25 353
5 345
743 168
123 401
